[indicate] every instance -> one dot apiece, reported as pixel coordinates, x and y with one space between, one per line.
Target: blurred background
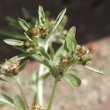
91 17
92 21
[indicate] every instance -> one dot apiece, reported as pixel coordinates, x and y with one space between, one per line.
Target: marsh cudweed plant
36 41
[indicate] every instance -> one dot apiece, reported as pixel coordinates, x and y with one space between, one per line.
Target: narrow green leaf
41 16
44 53
12 34
20 57
45 75
25 12
70 41
6 99
43 61
13 22
9 75
27 37
23 65
2 79
23 24
94 70
14 42
35 57
64 21
72 79
58 20
20 104
35 40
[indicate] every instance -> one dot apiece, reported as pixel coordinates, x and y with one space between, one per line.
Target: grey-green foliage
70 41
19 103
6 99
41 16
14 42
24 24
94 70
57 21
57 62
15 35
72 79
13 22
25 13
3 79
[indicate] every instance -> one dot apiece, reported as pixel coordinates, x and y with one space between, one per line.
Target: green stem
40 82
53 93
21 91
40 87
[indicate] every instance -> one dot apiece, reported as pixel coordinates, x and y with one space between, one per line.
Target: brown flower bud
83 50
64 61
16 71
76 52
42 29
27 44
43 36
82 58
33 32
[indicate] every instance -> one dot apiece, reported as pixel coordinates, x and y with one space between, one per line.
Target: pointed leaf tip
94 70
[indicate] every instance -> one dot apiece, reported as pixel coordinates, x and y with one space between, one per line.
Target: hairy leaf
12 34
2 79
24 24
6 99
94 70
20 57
27 37
41 16
14 42
25 12
44 53
58 20
64 21
20 104
72 79
70 41
13 22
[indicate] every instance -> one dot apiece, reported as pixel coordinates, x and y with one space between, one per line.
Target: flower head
9 67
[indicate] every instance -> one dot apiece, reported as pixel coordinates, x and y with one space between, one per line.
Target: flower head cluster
9 67
82 52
